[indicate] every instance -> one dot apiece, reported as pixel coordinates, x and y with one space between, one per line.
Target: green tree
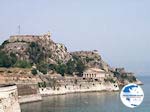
36 53
61 69
13 58
52 67
34 71
42 67
70 67
80 67
5 60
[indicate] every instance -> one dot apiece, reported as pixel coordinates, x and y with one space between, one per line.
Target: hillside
42 54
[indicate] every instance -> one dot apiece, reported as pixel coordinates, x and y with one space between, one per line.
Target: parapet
9 99
28 38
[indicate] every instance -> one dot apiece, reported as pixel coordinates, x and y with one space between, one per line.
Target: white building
94 73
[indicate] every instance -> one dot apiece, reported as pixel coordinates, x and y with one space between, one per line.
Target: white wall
9 99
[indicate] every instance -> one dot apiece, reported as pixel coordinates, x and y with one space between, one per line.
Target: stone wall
27 38
9 99
28 93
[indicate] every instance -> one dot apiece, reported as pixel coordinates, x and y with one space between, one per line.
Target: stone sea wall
9 99
28 93
87 87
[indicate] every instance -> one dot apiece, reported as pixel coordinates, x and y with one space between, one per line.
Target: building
95 73
28 38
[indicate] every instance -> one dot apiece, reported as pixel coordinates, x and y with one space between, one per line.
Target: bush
5 61
110 80
70 67
52 67
61 69
4 43
23 64
80 67
34 71
42 67
36 53
42 84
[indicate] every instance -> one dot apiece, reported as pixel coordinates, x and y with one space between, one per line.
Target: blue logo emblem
132 95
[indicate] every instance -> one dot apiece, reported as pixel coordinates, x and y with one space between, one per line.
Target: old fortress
29 38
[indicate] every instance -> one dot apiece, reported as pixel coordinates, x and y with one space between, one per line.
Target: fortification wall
9 99
28 93
27 38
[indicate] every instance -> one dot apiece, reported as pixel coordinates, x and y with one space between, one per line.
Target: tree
70 67
34 71
80 68
42 67
5 60
61 69
13 58
52 67
36 53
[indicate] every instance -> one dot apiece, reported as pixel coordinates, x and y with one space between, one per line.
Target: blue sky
118 29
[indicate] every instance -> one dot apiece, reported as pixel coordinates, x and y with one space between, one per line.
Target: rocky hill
34 48
41 53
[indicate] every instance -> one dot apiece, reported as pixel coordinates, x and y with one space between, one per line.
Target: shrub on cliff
61 69
34 71
36 53
79 65
42 67
22 64
5 61
71 67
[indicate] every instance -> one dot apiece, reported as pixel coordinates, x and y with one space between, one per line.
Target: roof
94 70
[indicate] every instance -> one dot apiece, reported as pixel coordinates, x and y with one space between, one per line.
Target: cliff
35 48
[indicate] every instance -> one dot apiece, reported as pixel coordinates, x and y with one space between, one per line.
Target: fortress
28 38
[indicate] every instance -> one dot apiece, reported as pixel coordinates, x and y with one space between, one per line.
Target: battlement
28 38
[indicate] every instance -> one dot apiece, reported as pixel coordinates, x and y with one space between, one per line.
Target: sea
89 102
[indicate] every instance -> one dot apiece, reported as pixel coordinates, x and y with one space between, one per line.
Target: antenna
19 29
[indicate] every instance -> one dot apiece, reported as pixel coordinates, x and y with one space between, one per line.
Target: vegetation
11 61
36 54
61 69
89 59
23 64
5 61
70 67
110 80
124 76
42 84
4 43
34 71
42 67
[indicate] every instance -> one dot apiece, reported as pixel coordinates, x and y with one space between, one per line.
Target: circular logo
132 95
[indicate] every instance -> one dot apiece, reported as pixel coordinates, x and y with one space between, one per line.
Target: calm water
89 102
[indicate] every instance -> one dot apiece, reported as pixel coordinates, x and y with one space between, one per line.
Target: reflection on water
86 102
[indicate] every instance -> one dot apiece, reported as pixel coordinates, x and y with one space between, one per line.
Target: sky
118 29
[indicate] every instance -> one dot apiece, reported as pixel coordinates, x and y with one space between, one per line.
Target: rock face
33 48
91 59
30 47
41 48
